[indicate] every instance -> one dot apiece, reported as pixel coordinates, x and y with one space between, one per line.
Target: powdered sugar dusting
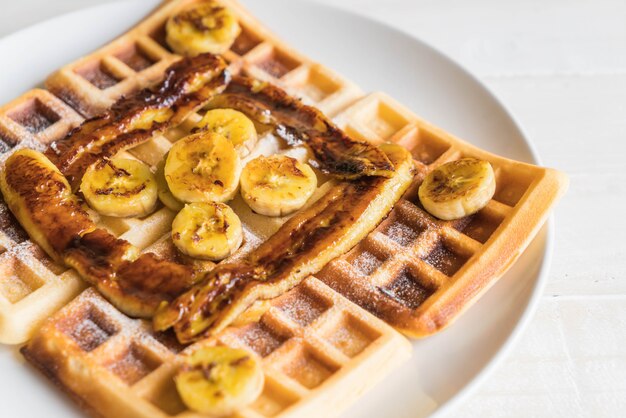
406 290
133 365
366 263
9 225
302 307
349 338
307 370
90 333
17 278
401 233
445 260
13 288
250 242
260 338
29 143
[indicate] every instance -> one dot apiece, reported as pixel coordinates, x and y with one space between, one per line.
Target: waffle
414 271
32 286
319 352
138 58
417 272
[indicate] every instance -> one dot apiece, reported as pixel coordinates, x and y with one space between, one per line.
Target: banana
207 230
165 195
219 380
277 185
302 246
120 187
234 125
458 188
203 27
203 167
41 199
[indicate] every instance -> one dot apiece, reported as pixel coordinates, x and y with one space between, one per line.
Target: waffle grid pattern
309 338
413 270
32 286
138 59
433 252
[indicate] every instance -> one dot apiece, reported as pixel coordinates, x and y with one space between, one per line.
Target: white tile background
560 66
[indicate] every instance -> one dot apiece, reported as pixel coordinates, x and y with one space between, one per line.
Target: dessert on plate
200 221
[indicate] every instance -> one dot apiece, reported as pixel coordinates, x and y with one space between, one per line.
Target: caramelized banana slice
277 185
302 246
120 187
205 26
458 188
165 195
203 167
219 380
233 125
207 230
335 152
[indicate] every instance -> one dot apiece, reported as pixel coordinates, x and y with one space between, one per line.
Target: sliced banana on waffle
205 26
203 167
277 185
233 125
165 195
120 187
457 189
207 230
217 381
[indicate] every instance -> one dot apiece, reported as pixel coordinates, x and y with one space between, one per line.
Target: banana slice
208 230
120 187
203 27
277 185
458 188
165 195
234 125
203 167
219 380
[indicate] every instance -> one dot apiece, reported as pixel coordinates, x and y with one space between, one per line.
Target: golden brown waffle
35 119
319 353
38 118
32 286
138 58
414 271
419 273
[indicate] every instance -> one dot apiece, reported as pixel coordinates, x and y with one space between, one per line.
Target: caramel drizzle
47 203
138 285
335 152
54 218
277 265
188 85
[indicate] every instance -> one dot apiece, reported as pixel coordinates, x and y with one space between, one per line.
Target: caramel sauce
138 285
97 255
51 208
280 259
156 277
335 152
188 84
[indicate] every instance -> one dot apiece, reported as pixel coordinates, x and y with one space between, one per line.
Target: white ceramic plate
444 368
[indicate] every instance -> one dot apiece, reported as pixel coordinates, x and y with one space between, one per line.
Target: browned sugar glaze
51 207
279 258
138 285
336 153
197 16
188 84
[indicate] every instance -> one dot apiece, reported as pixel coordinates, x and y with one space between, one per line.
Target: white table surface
560 66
